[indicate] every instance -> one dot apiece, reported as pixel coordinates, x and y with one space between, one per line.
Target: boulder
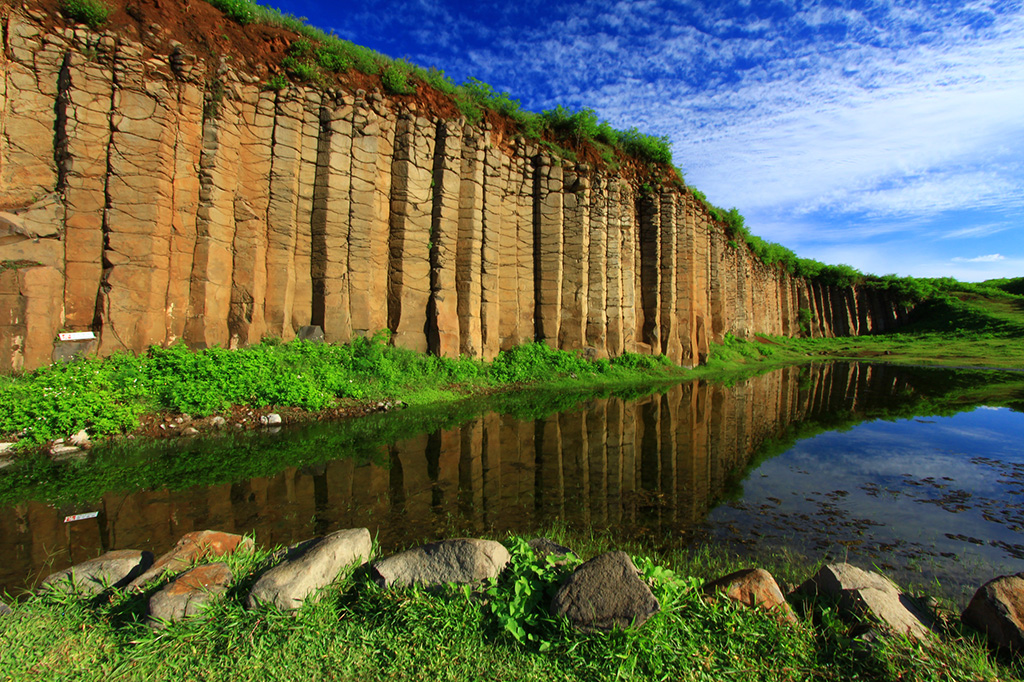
113 569
542 547
863 594
271 419
462 560
188 593
80 440
752 587
192 547
4 609
309 566
605 593
997 609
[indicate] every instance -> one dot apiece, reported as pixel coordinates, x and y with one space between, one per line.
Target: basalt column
213 258
469 250
575 245
521 187
630 267
614 281
86 95
411 207
302 304
650 267
547 260
139 213
495 222
670 345
331 214
442 307
598 300
246 323
370 199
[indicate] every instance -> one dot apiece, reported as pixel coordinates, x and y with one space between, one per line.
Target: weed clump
92 13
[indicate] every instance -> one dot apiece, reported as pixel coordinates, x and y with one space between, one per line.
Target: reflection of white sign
76 336
81 517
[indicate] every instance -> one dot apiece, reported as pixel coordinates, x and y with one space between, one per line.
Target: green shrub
276 82
395 78
92 13
242 11
302 69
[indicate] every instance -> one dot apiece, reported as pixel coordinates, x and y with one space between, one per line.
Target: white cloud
991 258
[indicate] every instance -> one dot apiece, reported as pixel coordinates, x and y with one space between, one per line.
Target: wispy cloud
991 258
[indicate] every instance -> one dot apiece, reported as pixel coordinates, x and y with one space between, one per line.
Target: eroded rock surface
187 594
462 560
867 594
113 569
997 609
753 587
310 566
605 593
192 547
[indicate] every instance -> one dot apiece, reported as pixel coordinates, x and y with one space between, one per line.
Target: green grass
92 13
501 630
108 396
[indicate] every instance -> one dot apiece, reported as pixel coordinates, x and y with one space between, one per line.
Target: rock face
605 593
189 593
132 210
997 609
462 560
753 587
309 566
867 594
113 569
193 547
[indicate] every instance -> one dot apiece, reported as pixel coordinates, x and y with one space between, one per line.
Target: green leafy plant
92 13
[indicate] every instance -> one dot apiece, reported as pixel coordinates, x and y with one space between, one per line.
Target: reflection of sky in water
883 468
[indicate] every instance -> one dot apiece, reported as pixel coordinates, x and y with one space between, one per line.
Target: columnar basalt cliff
151 197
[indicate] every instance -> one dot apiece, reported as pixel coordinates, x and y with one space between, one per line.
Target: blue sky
887 135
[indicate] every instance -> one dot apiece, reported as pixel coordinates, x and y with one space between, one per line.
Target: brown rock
753 587
193 547
187 594
997 609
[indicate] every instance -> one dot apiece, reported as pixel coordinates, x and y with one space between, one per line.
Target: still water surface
837 461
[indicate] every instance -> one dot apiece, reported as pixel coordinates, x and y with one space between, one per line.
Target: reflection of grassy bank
359 631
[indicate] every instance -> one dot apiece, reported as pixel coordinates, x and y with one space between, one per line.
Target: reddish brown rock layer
153 197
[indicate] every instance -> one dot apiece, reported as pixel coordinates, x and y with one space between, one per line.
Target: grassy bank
109 396
500 631
956 325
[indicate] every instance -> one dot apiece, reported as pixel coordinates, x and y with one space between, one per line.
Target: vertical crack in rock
650 221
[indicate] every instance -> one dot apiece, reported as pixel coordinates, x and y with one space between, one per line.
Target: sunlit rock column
548 249
575 245
598 301
667 233
411 207
495 177
442 311
650 271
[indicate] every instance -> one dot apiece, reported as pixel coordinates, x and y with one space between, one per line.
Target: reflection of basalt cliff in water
151 197
653 465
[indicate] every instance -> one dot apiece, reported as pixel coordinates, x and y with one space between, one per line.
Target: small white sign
81 517
76 336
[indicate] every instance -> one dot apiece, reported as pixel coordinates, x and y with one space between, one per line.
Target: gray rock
4 447
997 609
4 609
462 560
867 594
113 569
605 593
66 351
309 566
270 419
545 546
218 421
311 333
190 592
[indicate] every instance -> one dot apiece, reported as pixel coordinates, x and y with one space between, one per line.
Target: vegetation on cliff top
502 630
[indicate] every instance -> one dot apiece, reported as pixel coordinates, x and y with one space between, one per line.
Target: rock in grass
997 609
309 566
867 594
605 593
113 569
192 547
542 547
462 560
4 609
752 587
187 594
